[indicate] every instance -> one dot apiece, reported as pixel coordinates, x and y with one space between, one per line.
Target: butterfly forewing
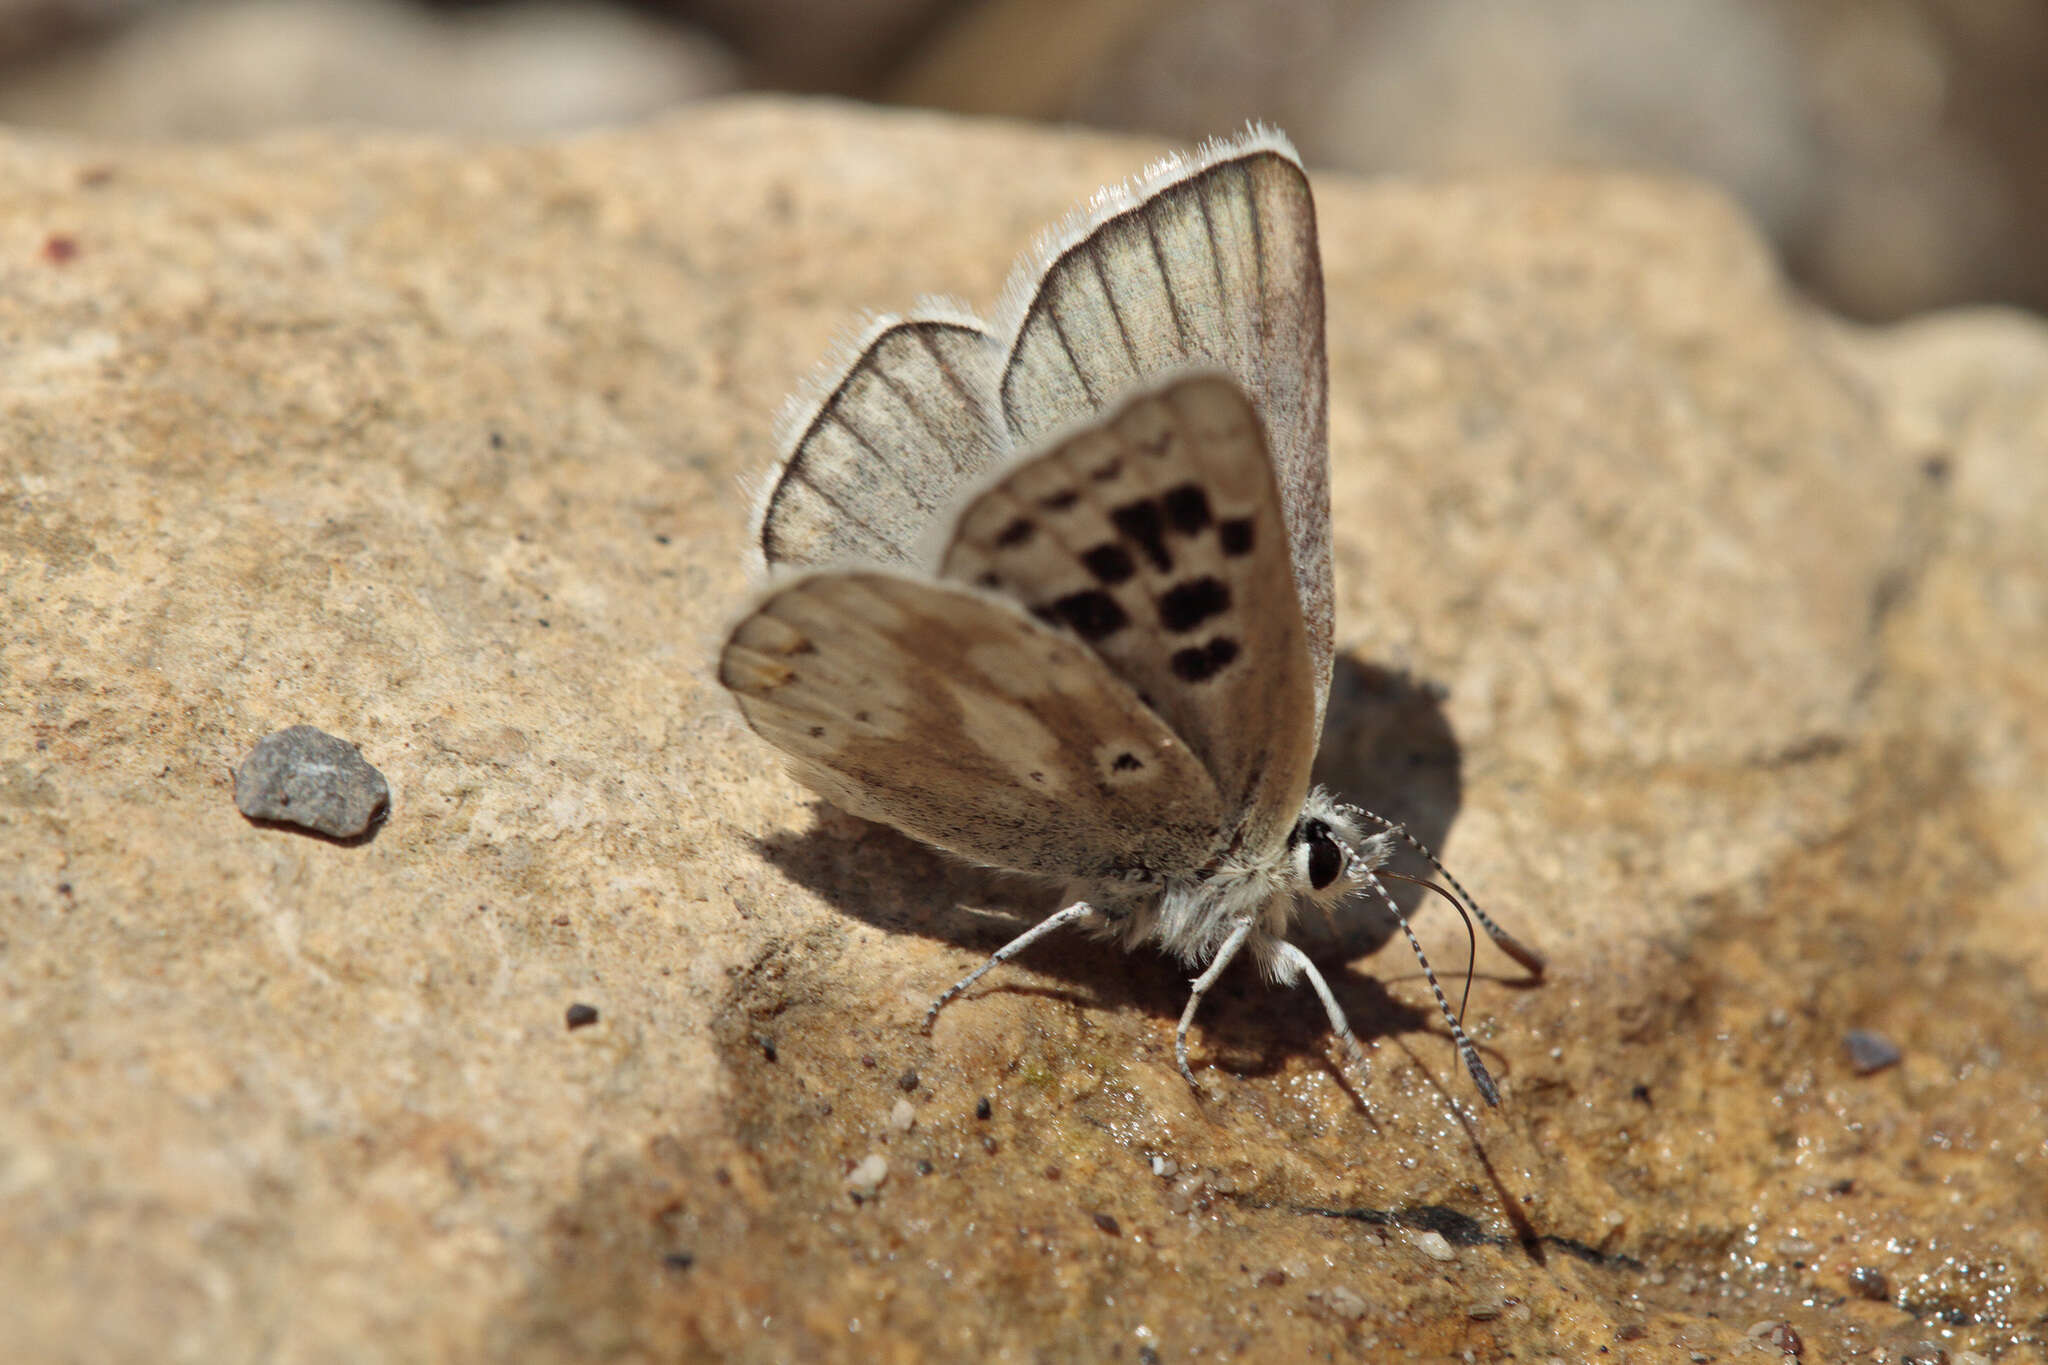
899 432
1211 261
1155 537
958 719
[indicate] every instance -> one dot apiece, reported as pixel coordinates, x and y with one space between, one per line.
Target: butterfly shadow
874 874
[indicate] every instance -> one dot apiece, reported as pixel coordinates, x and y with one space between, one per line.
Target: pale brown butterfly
1054 594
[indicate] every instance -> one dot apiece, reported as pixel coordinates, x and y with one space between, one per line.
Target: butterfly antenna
1465 1049
1530 960
1471 939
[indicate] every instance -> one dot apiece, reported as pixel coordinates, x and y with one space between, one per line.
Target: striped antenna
1480 1076
1530 960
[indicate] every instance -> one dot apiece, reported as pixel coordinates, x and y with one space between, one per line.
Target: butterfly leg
1225 951
1338 1023
1073 914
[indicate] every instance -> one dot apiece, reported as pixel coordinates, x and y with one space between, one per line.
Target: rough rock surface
1704 636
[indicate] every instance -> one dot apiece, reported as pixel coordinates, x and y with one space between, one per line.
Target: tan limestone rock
1703 636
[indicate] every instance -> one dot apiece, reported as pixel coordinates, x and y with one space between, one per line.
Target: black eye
1325 854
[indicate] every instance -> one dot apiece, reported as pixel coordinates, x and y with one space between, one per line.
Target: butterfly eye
1325 855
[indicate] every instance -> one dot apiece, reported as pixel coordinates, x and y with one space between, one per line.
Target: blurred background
1896 150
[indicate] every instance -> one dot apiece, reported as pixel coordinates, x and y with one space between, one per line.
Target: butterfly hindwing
956 718
1155 537
1210 260
901 427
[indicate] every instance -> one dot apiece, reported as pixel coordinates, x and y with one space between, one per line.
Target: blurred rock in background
229 67
1894 149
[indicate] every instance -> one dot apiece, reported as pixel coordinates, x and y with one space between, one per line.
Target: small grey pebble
907 1081
1107 1222
581 1015
1870 1052
307 777
982 1108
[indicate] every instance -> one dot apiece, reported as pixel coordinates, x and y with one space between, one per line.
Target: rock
306 777
1869 1051
1344 1302
1435 1246
1700 634
228 68
867 1176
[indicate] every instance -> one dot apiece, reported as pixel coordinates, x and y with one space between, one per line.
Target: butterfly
1054 593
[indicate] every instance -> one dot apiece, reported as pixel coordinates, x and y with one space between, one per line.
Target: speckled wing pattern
1122 485
959 719
1155 537
1211 259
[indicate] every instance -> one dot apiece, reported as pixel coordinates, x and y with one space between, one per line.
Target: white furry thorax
1192 914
